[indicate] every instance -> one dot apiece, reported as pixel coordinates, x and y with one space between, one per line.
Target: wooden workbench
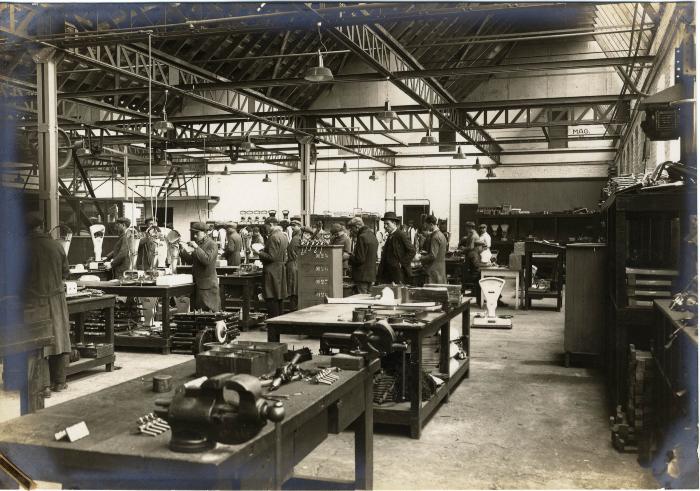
245 283
77 307
337 318
115 456
165 293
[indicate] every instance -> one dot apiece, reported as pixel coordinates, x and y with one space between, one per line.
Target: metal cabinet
320 271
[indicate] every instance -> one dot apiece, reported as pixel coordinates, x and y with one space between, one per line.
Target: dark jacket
473 267
363 260
293 250
47 268
232 252
395 264
206 282
344 240
274 259
434 261
120 256
147 252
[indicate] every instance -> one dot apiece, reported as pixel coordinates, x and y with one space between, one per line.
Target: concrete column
47 127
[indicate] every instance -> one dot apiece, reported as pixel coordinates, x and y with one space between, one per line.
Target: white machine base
492 323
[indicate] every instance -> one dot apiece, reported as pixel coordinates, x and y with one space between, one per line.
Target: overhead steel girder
134 63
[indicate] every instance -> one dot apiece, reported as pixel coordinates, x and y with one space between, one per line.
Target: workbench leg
466 336
417 391
445 353
246 293
364 440
272 335
108 316
165 323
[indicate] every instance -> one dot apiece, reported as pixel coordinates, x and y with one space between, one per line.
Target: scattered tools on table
152 425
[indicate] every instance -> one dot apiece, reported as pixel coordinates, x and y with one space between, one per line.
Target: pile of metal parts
289 372
194 330
200 415
635 417
326 376
313 246
152 425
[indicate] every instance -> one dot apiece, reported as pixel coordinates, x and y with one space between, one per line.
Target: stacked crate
646 285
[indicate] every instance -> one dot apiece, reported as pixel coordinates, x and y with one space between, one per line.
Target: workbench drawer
345 411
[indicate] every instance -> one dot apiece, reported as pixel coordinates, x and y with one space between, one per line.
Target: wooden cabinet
320 274
645 230
584 317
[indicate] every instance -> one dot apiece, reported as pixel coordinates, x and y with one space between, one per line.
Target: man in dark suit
397 254
203 256
274 259
119 257
363 260
435 246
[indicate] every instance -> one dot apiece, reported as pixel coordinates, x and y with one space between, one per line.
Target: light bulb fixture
387 115
373 176
319 73
459 155
490 173
164 126
266 178
429 139
344 170
247 144
225 172
477 165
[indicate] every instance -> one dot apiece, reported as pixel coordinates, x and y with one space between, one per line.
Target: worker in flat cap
47 267
363 261
473 268
397 253
466 243
203 252
339 236
435 247
119 256
274 259
234 245
293 251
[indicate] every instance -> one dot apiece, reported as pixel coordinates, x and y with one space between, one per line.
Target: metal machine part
372 340
205 411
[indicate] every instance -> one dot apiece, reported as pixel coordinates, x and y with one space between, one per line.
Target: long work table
337 318
164 292
115 456
77 307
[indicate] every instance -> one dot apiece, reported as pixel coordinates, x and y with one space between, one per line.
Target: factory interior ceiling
246 67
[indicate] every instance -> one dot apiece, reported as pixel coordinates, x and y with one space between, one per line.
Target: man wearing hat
397 254
234 244
340 237
435 246
473 268
293 250
119 256
203 256
274 259
46 268
363 261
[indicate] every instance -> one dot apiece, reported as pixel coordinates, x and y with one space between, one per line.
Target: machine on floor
491 291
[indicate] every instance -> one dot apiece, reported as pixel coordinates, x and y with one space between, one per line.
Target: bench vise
205 411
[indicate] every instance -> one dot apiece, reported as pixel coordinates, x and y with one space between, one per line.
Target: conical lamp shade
318 73
266 178
490 173
373 177
428 139
459 155
344 170
477 165
387 115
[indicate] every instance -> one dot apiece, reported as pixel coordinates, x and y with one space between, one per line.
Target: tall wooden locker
585 294
320 274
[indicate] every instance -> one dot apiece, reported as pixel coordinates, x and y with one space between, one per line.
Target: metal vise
203 412
371 341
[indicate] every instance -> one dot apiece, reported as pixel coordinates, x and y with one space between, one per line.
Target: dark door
467 213
413 213
160 216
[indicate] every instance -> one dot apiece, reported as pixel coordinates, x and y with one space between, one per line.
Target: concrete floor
521 420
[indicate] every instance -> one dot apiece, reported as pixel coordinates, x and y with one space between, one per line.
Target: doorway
414 213
161 214
467 213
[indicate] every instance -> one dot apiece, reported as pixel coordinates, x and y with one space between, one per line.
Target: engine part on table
370 341
200 415
254 358
162 383
193 331
324 376
363 314
74 355
384 388
152 425
73 432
